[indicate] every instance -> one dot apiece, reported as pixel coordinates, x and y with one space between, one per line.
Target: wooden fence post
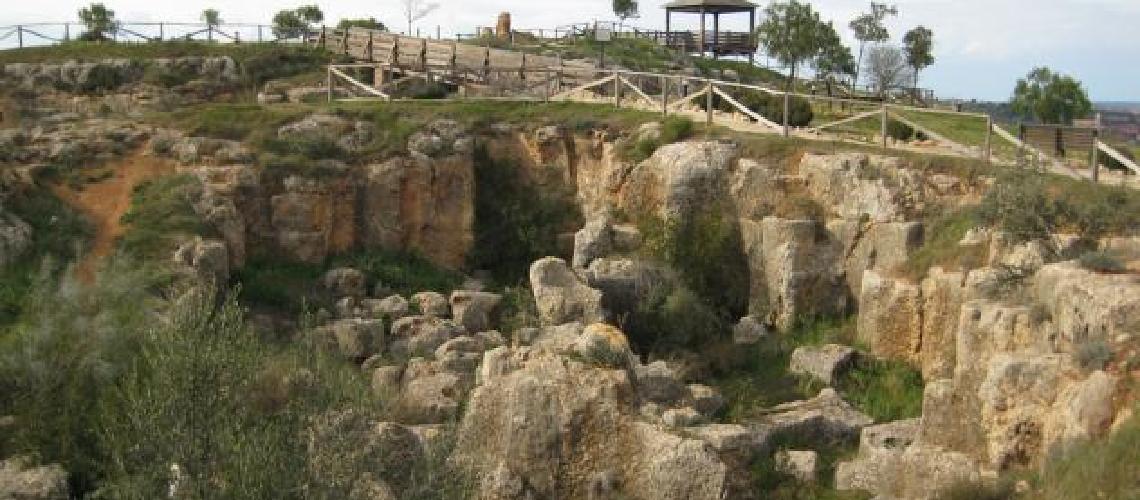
787 113
20 35
617 88
259 37
330 85
1095 160
989 152
709 102
664 95
883 125
67 32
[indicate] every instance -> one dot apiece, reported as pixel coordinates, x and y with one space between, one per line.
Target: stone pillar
503 26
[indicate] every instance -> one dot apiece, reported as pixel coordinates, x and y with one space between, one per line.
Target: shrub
900 131
161 215
884 390
1020 205
676 129
1001 490
167 76
1099 469
1101 262
1094 355
515 224
941 244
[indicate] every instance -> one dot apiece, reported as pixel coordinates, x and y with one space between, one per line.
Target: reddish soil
105 202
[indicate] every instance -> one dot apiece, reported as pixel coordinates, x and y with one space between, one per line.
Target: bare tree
414 10
888 69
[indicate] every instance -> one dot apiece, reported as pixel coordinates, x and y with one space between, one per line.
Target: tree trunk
914 97
788 99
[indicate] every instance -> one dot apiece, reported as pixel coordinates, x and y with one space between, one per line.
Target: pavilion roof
710 6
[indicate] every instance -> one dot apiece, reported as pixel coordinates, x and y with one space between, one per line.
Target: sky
981 46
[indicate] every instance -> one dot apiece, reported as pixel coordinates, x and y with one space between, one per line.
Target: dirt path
105 202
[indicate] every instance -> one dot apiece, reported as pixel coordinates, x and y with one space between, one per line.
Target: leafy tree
310 14
887 67
834 59
212 18
791 32
295 23
868 27
1050 97
100 22
918 44
626 9
370 23
414 10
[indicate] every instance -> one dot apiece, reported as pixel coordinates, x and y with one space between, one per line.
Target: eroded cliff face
422 202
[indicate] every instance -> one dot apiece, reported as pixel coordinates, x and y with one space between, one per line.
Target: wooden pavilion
716 43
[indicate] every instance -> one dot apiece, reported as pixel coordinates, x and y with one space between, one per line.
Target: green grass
277 285
161 215
965 130
756 377
941 247
777 485
57 234
1107 468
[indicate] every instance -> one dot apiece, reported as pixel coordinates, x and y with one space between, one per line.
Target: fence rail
38 34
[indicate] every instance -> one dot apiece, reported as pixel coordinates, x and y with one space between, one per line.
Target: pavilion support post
716 35
751 36
709 102
668 26
701 42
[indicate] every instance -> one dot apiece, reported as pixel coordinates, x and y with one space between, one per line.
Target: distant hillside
1131 106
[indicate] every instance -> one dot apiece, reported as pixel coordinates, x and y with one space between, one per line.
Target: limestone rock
15 237
475 311
826 363
794 271
802 465
679 180
354 338
594 240
681 417
209 260
21 481
565 428
826 415
432 304
345 282
706 400
386 380
393 307
659 383
892 464
430 394
425 203
347 134
561 296
854 186
890 319
727 438
604 344
748 331
421 335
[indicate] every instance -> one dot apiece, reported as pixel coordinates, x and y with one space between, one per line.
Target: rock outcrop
562 296
21 481
15 237
561 428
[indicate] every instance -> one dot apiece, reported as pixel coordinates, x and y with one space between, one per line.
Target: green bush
118 386
1001 490
900 131
769 106
161 215
1101 262
58 233
168 76
941 244
515 223
676 129
1094 355
884 390
1106 468
405 273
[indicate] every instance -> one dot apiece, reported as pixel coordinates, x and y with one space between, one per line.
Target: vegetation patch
57 235
942 246
1101 262
162 215
516 223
